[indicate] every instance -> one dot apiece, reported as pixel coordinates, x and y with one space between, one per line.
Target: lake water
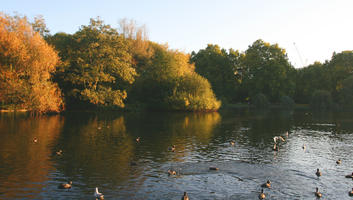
100 150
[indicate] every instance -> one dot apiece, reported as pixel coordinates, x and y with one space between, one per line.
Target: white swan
98 195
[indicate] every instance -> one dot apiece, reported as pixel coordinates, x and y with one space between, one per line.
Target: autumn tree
169 82
96 68
138 44
40 26
26 64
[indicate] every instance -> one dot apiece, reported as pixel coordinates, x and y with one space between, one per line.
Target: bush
193 93
321 100
260 101
287 102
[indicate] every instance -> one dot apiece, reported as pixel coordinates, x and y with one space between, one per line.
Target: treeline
262 75
100 67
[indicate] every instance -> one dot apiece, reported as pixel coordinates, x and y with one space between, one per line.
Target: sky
309 30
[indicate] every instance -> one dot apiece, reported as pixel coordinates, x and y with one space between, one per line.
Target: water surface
100 150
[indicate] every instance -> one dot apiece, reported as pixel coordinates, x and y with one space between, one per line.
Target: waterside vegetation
106 68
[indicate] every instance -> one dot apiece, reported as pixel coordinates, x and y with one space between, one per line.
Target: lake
100 150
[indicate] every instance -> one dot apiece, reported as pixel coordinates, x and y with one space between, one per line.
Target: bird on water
262 194
98 195
318 173
185 196
267 184
349 175
65 185
317 193
350 193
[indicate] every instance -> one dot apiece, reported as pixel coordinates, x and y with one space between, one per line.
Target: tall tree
309 79
26 64
340 67
40 26
219 67
266 69
96 66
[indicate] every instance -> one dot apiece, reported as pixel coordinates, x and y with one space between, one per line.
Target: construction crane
300 57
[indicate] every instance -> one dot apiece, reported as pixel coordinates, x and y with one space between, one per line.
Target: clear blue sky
318 27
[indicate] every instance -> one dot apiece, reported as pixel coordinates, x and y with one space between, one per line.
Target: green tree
340 67
311 78
265 69
219 67
345 94
96 68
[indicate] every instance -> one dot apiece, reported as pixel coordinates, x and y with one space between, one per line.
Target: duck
35 140
172 148
98 195
214 168
318 173
171 172
275 147
59 153
65 185
317 193
138 139
349 175
267 184
185 196
278 138
338 162
262 194
350 193
232 143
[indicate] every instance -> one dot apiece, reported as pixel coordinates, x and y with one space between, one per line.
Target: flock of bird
318 172
318 194
68 185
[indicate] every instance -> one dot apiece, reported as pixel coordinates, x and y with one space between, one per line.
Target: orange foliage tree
26 65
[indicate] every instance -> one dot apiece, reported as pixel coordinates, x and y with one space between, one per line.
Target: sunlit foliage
169 82
26 64
96 66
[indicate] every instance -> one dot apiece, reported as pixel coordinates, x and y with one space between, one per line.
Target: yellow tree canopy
26 64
